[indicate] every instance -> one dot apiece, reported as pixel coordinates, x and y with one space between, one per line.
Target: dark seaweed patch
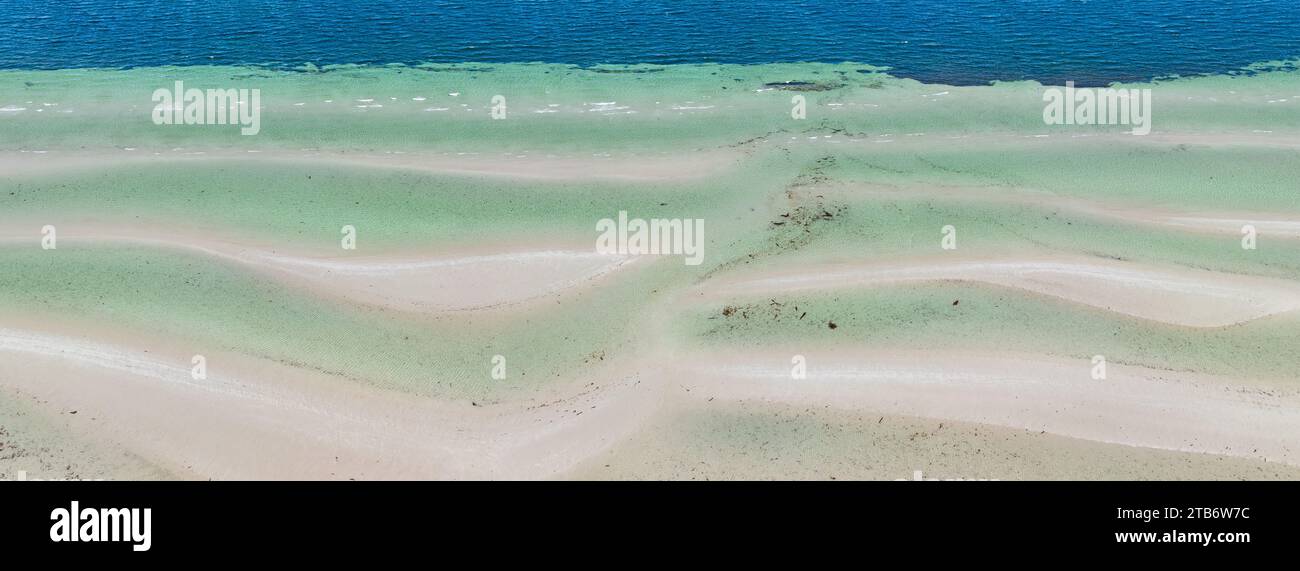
801 86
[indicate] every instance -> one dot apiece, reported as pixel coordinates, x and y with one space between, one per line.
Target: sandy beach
386 282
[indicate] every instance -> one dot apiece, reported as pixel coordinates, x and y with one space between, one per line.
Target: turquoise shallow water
367 111
567 109
865 128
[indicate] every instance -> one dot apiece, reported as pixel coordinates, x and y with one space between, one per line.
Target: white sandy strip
1132 406
1083 140
275 422
440 282
1195 298
624 168
1264 227
1267 225
444 284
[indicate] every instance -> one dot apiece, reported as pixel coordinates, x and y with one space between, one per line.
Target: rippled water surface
953 41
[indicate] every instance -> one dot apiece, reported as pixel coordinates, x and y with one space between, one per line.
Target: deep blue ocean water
951 41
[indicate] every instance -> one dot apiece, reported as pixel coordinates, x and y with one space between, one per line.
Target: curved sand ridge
1196 298
448 283
439 282
1133 405
926 140
252 419
1263 225
523 166
308 427
1268 225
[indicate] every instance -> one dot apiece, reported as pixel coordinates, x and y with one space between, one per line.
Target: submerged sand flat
205 424
1132 406
497 276
254 419
476 332
761 439
1270 224
1180 297
523 166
